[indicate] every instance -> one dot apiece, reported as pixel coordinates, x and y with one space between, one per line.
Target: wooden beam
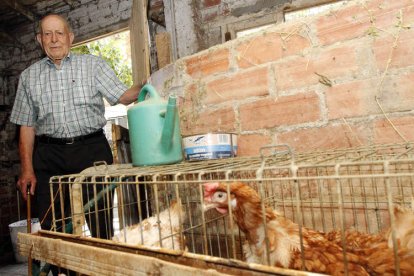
139 41
15 5
88 260
92 256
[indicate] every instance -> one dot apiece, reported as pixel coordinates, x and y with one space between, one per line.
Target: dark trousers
56 160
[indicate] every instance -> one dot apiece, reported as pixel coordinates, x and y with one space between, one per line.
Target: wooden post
139 41
29 229
163 45
78 219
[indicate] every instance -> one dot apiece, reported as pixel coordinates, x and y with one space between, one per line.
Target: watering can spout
169 123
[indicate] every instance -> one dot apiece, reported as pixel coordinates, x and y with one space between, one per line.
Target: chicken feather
404 225
147 232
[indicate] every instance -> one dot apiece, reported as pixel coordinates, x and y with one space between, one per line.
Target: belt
67 141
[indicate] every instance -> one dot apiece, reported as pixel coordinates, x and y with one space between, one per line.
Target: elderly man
59 106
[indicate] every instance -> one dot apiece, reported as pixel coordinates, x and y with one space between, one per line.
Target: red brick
288 110
355 20
391 5
402 55
210 3
343 24
239 86
208 63
203 121
300 72
352 99
397 93
322 138
384 133
193 92
250 144
268 47
358 98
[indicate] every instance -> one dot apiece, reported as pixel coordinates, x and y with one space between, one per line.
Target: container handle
148 88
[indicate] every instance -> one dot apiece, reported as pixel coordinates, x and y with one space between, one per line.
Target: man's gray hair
65 21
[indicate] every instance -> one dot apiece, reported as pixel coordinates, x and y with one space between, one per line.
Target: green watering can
154 129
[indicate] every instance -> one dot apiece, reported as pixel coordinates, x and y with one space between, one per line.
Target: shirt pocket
84 95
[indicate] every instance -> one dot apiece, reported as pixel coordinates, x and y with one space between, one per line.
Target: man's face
55 38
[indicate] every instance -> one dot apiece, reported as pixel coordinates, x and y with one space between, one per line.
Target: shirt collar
67 58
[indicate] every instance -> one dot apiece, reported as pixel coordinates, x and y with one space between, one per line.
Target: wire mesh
330 190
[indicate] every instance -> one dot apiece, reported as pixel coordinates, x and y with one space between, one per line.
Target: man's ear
71 37
39 39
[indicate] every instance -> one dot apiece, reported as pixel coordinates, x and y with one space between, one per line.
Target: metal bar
392 219
181 223
121 212
95 192
294 170
52 204
231 221
341 218
259 176
157 207
203 218
62 204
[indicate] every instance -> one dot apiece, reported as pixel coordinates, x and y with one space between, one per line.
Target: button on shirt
66 102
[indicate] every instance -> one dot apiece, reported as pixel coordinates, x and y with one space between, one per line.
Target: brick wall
320 83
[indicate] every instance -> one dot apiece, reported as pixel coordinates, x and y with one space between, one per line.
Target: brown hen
319 253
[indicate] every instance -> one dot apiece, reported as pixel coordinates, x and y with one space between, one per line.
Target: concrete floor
14 269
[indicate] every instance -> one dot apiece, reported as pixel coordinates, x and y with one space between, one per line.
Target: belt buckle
71 141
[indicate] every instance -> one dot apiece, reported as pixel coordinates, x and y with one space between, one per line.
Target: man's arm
131 94
27 175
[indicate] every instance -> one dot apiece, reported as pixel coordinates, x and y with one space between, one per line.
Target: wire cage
332 190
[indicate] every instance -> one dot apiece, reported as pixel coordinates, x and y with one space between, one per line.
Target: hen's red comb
210 188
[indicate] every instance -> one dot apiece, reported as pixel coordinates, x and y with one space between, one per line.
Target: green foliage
112 50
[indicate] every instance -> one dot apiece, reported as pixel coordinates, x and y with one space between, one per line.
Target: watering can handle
148 88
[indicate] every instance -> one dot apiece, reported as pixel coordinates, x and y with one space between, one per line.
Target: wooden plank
102 257
140 55
163 45
91 260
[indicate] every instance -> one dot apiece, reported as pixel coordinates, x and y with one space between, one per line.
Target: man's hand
131 94
27 175
26 179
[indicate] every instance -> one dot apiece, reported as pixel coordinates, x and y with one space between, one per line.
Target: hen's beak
208 205
218 207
